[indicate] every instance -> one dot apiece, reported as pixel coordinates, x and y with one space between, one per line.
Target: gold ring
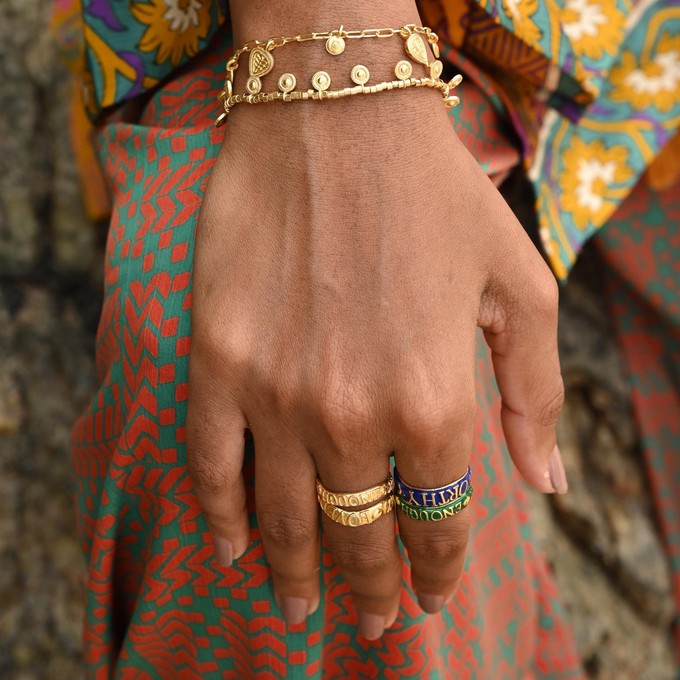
354 500
358 518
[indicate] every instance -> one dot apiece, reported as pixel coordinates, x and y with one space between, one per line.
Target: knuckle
345 412
211 475
443 546
289 531
429 410
546 294
363 560
550 410
431 423
228 343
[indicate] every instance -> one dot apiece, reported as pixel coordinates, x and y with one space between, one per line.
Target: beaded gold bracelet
261 62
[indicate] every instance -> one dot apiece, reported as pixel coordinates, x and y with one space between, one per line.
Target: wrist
266 18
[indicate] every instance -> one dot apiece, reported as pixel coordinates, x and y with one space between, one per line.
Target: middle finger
367 556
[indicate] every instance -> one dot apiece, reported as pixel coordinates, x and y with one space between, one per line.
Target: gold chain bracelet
261 62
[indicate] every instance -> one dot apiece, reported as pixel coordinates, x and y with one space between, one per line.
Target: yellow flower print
174 27
594 27
521 11
588 180
651 79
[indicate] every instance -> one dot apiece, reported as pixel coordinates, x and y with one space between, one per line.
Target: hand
345 254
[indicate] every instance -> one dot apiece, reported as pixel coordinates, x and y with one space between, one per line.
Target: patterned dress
596 100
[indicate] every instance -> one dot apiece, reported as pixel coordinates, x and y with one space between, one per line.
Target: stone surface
601 539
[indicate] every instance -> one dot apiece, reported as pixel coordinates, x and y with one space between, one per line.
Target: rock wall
601 538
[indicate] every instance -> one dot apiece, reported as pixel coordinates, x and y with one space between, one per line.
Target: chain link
280 41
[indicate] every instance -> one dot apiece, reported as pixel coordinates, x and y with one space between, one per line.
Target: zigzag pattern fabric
157 605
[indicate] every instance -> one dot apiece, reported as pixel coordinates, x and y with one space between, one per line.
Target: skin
346 253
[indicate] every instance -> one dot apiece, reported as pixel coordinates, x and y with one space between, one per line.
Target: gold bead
287 82
221 119
436 68
321 81
403 69
360 75
452 101
435 49
335 45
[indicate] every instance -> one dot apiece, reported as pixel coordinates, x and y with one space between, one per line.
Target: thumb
520 327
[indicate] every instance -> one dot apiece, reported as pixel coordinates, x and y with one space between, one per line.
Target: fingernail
558 477
224 551
294 609
431 604
371 626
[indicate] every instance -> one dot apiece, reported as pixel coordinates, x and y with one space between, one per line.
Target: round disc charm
360 74
455 81
253 85
403 69
321 81
436 68
335 45
287 82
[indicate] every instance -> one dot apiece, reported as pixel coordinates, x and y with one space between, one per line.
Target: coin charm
403 69
287 82
321 81
335 45
360 74
261 62
415 48
436 68
253 85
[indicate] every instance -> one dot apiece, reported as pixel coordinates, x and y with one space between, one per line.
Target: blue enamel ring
431 498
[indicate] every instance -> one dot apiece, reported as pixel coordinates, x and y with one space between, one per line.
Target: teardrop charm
415 48
261 62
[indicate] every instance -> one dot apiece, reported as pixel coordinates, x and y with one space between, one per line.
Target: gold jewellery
340 506
261 62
